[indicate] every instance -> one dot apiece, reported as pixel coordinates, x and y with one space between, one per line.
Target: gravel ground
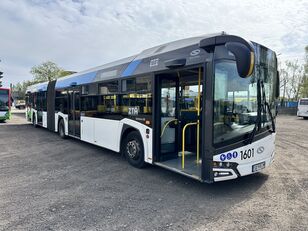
47 183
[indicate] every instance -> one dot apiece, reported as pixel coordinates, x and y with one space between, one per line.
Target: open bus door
178 110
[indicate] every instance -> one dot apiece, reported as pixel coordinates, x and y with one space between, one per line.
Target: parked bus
302 108
5 104
203 107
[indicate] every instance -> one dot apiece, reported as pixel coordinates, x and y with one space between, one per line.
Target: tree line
46 71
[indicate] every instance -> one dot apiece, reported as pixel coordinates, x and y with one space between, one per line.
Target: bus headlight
216 174
217 164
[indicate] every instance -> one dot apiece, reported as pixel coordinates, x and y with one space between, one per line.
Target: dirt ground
47 183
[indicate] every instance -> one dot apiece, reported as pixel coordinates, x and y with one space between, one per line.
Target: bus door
74 112
179 104
169 116
39 108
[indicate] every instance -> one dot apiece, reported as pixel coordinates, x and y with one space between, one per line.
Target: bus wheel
133 149
61 129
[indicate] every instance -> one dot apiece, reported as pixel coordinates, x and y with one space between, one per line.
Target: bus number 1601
248 153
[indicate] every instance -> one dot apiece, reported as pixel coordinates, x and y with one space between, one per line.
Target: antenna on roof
223 33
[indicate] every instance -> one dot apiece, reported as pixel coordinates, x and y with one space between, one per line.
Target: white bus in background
302 108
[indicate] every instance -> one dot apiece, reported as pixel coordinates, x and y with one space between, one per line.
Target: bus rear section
5 104
302 109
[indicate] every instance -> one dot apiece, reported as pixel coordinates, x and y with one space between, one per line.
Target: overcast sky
78 34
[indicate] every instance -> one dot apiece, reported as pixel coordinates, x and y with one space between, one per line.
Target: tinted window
61 101
128 85
136 104
90 89
303 102
137 84
77 100
143 84
108 88
89 105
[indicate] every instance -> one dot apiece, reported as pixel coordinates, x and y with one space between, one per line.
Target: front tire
133 149
61 129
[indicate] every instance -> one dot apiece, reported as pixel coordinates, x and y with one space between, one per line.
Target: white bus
203 107
302 108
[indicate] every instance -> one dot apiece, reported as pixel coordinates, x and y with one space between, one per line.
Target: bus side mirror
277 86
244 57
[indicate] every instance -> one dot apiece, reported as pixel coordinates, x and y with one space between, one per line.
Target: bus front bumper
245 160
223 174
302 114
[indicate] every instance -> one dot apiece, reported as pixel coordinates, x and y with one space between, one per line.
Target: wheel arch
126 129
145 134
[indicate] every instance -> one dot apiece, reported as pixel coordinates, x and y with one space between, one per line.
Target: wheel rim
133 149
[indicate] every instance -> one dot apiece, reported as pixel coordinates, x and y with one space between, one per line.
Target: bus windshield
4 100
303 102
235 102
236 99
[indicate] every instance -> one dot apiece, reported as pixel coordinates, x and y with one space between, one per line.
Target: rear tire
305 118
133 150
61 129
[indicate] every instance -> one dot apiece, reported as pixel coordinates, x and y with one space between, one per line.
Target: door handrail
183 141
165 126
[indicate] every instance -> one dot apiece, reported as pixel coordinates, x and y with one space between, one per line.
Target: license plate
258 167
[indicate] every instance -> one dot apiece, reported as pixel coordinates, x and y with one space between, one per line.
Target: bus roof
147 61
137 64
37 87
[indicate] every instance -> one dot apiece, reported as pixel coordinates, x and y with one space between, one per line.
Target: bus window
108 88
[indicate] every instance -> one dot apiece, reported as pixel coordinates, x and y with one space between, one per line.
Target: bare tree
284 80
295 77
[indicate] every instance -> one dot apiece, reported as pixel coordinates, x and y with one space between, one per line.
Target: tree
19 90
284 81
303 92
46 71
292 76
65 73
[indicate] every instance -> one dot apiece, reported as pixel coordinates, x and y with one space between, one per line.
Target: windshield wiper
258 120
265 105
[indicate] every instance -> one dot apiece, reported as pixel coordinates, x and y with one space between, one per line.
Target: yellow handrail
165 126
183 141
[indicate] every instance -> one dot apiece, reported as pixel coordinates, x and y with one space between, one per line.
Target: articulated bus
5 104
203 107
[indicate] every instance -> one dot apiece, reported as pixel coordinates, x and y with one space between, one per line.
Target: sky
79 34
